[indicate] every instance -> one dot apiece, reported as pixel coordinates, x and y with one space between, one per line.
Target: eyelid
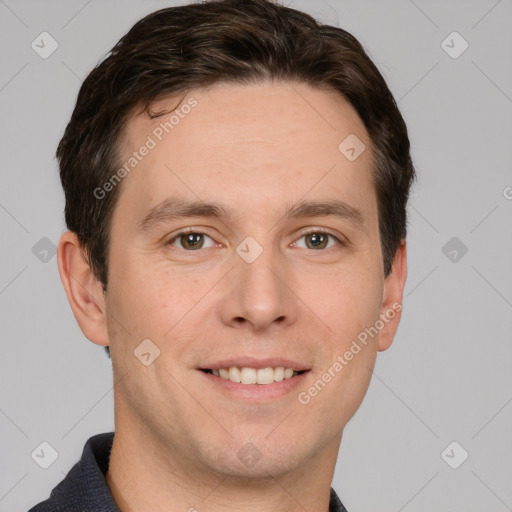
307 231
186 231
310 231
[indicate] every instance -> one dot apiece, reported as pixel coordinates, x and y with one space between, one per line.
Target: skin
256 149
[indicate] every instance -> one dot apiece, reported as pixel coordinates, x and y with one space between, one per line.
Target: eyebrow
175 208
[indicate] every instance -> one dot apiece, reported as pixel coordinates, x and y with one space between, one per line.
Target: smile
247 375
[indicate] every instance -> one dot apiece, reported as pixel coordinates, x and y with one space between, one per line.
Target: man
236 181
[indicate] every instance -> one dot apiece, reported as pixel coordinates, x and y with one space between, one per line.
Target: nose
259 295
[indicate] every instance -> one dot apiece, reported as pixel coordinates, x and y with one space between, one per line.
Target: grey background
446 377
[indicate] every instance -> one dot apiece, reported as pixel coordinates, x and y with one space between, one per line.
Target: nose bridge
259 276
258 293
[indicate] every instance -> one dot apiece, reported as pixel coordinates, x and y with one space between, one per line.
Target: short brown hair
177 49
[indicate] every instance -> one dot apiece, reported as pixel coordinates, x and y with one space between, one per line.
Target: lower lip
256 392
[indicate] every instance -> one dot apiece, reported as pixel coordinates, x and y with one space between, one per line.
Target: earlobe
393 293
84 291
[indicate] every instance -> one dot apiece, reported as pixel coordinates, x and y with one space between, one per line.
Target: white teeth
279 374
247 375
265 376
234 374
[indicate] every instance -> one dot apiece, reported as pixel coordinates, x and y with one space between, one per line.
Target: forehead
250 146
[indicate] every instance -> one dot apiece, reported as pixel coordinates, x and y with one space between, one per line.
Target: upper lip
252 362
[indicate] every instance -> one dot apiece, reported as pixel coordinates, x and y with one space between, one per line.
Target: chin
257 457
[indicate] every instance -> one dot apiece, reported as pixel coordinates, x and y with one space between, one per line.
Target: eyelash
312 232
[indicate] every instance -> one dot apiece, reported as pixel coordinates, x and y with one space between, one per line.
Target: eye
317 239
190 240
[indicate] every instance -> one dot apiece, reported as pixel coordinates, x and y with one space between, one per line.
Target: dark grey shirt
84 489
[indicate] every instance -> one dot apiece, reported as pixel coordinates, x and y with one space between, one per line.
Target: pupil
317 239
192 240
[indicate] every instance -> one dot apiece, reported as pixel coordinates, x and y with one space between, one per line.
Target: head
241 107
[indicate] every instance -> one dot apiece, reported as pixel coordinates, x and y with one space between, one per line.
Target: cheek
345 303
351 303
161 303
138 304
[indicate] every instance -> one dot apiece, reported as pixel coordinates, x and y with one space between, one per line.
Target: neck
142 475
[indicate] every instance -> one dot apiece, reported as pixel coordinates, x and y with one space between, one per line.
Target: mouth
255 380
250 376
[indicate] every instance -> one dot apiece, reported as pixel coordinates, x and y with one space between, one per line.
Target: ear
84 291
391 309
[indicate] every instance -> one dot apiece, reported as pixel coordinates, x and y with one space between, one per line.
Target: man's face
251 289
